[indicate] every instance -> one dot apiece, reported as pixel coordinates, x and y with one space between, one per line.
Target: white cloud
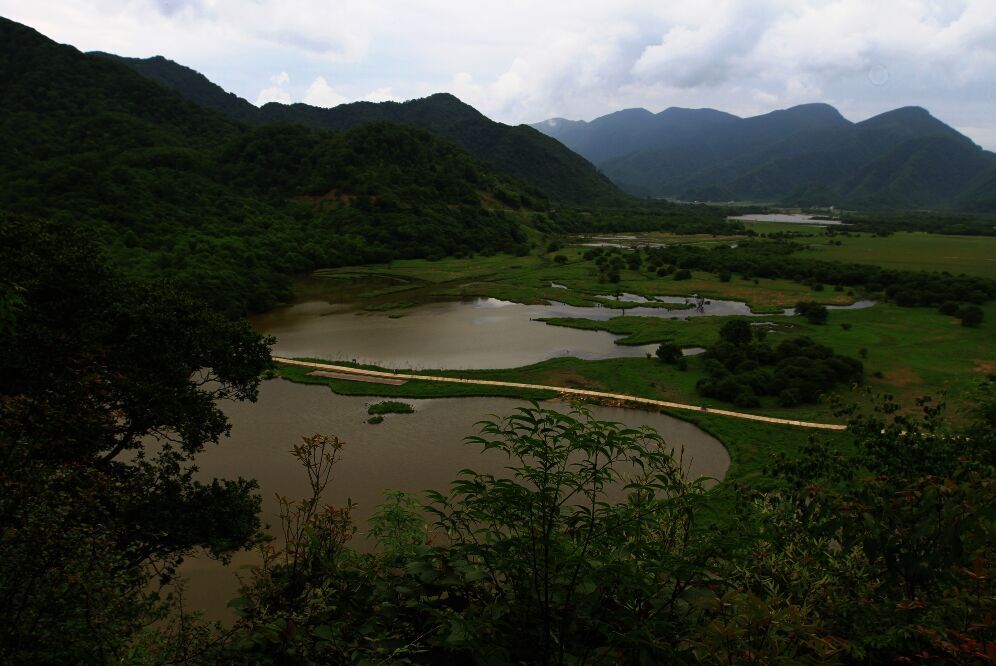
380 95
320 93
277 92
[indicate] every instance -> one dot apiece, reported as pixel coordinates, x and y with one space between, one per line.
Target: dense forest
519 152
230 211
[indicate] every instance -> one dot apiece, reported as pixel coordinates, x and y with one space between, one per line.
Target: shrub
812 311
971 315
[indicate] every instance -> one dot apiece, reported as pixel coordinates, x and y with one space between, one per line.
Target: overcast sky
521 61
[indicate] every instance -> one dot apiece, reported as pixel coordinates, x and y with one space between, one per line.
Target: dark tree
669 352
108 390
812 311
737 332
971 315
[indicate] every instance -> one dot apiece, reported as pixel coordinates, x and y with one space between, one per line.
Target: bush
683 274
669 352
736 332
812 311
560 259
971 315
949 308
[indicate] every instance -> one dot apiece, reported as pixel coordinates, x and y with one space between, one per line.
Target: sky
520 61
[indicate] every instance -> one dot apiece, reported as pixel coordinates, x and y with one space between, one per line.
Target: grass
528 280
972 255
910 352
916 350
390 407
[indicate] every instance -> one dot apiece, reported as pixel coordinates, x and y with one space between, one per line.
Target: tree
971 315
812 311
108 390
669 352
737 332
896 559
587 546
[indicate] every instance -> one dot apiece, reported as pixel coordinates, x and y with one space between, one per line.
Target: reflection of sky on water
475 333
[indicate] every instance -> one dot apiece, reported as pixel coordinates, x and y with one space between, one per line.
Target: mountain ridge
518 151
773 157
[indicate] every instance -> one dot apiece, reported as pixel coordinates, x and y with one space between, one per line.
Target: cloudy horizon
517 62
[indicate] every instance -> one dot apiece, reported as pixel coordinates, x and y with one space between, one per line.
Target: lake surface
479 333
411 452
782 217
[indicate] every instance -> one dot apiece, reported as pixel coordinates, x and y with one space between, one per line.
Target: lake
411 452
479 333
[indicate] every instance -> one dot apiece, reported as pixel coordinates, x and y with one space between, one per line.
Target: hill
520 151
805 155
226 210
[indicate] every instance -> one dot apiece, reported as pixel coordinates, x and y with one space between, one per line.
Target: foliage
740 368
668 352
900 537
814 312
390 407
773 259
970 315
585 551
108 390
226 211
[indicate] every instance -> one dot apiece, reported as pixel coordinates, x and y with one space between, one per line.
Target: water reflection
414 452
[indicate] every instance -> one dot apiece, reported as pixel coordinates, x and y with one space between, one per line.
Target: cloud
523 61
320 93
277 92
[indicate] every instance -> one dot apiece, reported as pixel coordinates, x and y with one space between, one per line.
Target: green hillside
520 152
229 211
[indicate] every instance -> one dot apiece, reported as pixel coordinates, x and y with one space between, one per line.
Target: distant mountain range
517 151
805 155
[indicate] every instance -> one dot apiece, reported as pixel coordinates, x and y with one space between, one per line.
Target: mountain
195 86
806 155
520 151
226 210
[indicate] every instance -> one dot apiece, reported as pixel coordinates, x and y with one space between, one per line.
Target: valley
396 382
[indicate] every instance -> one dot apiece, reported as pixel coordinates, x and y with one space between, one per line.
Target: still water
411 452
480 333
794 218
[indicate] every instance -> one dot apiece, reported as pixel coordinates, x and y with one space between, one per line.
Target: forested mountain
517 151
807 155
226 210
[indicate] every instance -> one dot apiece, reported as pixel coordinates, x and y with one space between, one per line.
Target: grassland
972 255
529 279
908 352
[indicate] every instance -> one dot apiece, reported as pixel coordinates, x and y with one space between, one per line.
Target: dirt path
559 389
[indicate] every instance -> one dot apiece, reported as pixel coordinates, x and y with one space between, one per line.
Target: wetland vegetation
474 523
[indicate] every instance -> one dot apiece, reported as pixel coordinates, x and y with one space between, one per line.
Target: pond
411 452
480 333
786 218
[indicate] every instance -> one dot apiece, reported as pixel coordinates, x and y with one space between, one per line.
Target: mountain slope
808 154
228 211
517 151
197 88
